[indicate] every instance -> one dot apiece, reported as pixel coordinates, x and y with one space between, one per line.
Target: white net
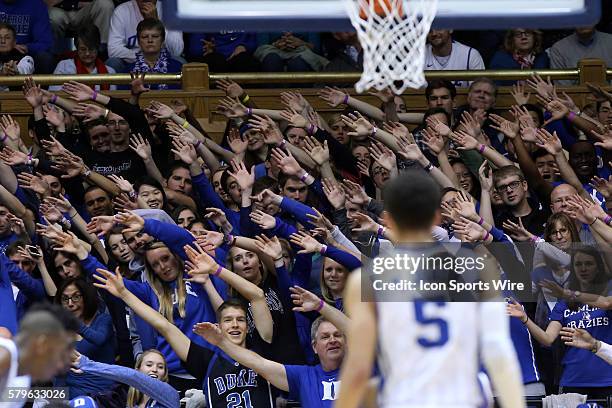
392 34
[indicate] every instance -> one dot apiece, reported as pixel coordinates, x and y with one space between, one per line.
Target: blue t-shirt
582 368
312 386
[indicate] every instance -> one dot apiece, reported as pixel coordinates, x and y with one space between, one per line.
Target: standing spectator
123 39
153 55
522 50
586 42
13 62
86 60
228 51
295 52
443 53
30 19
70 14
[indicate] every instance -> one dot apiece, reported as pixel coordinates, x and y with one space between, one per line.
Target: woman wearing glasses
96 337
522 49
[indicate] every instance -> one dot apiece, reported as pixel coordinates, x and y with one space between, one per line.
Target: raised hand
52 214
209 332
217 217
10 128
123 202
60 203
333 96
141 146
603 186
265 221
364 223
269 246
579 338
464 141
70 164
518 93
294 118
397 129
269 129
184 151
383 156
236 142
17 225
318 152
53 147
510 129
137 86
557 110
286 162
543 88
32 92
241 174
33 182
471 124
231 88
385 96
485 176
585 211
294 101
101 225
203 264
304 300
13 157
231 108
549 142
111 282
431 139
159 110
88 112
552 287
355 193
469 231
600 94
132 221
122 183
306 241
359 124
514 309
517 231
210 240
78 91
335 195
464 205
439 127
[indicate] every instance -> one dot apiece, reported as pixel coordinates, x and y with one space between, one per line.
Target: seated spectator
344 52
230 51
153 55
86 60
71 14
522 50
294 53
586 42
30 19
12 60
122 38
442 53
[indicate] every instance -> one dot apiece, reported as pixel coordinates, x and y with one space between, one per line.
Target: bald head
559 197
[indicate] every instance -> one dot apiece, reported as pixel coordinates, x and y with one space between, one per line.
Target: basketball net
392 34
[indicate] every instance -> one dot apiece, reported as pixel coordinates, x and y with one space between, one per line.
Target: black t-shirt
285 347
534 222
126 164
225 382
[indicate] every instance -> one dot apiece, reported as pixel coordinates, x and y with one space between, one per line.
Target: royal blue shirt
312 386
582 368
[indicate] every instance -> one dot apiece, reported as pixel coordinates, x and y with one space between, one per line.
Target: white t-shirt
12 380
122 39
461 57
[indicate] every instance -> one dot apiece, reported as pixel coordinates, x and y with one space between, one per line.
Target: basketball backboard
330 15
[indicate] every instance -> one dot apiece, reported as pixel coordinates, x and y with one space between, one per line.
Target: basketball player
428 349
40 351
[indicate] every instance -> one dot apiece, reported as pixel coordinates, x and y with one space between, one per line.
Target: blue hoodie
30 18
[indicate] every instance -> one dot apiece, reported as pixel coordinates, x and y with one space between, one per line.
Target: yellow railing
195 76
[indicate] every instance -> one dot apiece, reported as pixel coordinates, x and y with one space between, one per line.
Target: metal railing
196 76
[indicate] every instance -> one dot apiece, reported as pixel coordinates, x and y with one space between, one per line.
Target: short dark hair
88 291
67 319
539 152
89 35
440 83
150 181
151 24
95 187
437 111
534 108
14 247
412 199
283 178
264 182
231 302
177 164
9 27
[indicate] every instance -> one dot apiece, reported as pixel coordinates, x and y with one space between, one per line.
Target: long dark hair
88 291
599 283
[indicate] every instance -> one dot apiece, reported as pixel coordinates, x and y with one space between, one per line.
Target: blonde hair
164 292
325 291
134 396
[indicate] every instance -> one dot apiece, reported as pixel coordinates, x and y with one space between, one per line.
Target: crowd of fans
145 230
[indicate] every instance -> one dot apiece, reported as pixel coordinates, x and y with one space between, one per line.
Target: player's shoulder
5 360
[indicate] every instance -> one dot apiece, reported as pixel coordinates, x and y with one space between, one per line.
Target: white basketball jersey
11 379
428 354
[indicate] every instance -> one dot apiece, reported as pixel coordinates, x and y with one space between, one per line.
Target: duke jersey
428 354
226 383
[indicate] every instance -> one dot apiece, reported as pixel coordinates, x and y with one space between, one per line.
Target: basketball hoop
392 34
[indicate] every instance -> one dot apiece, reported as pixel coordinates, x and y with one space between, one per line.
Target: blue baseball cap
83 402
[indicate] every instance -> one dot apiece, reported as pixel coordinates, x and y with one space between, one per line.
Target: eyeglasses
75 298
113 123
561 231
510 186
519 34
